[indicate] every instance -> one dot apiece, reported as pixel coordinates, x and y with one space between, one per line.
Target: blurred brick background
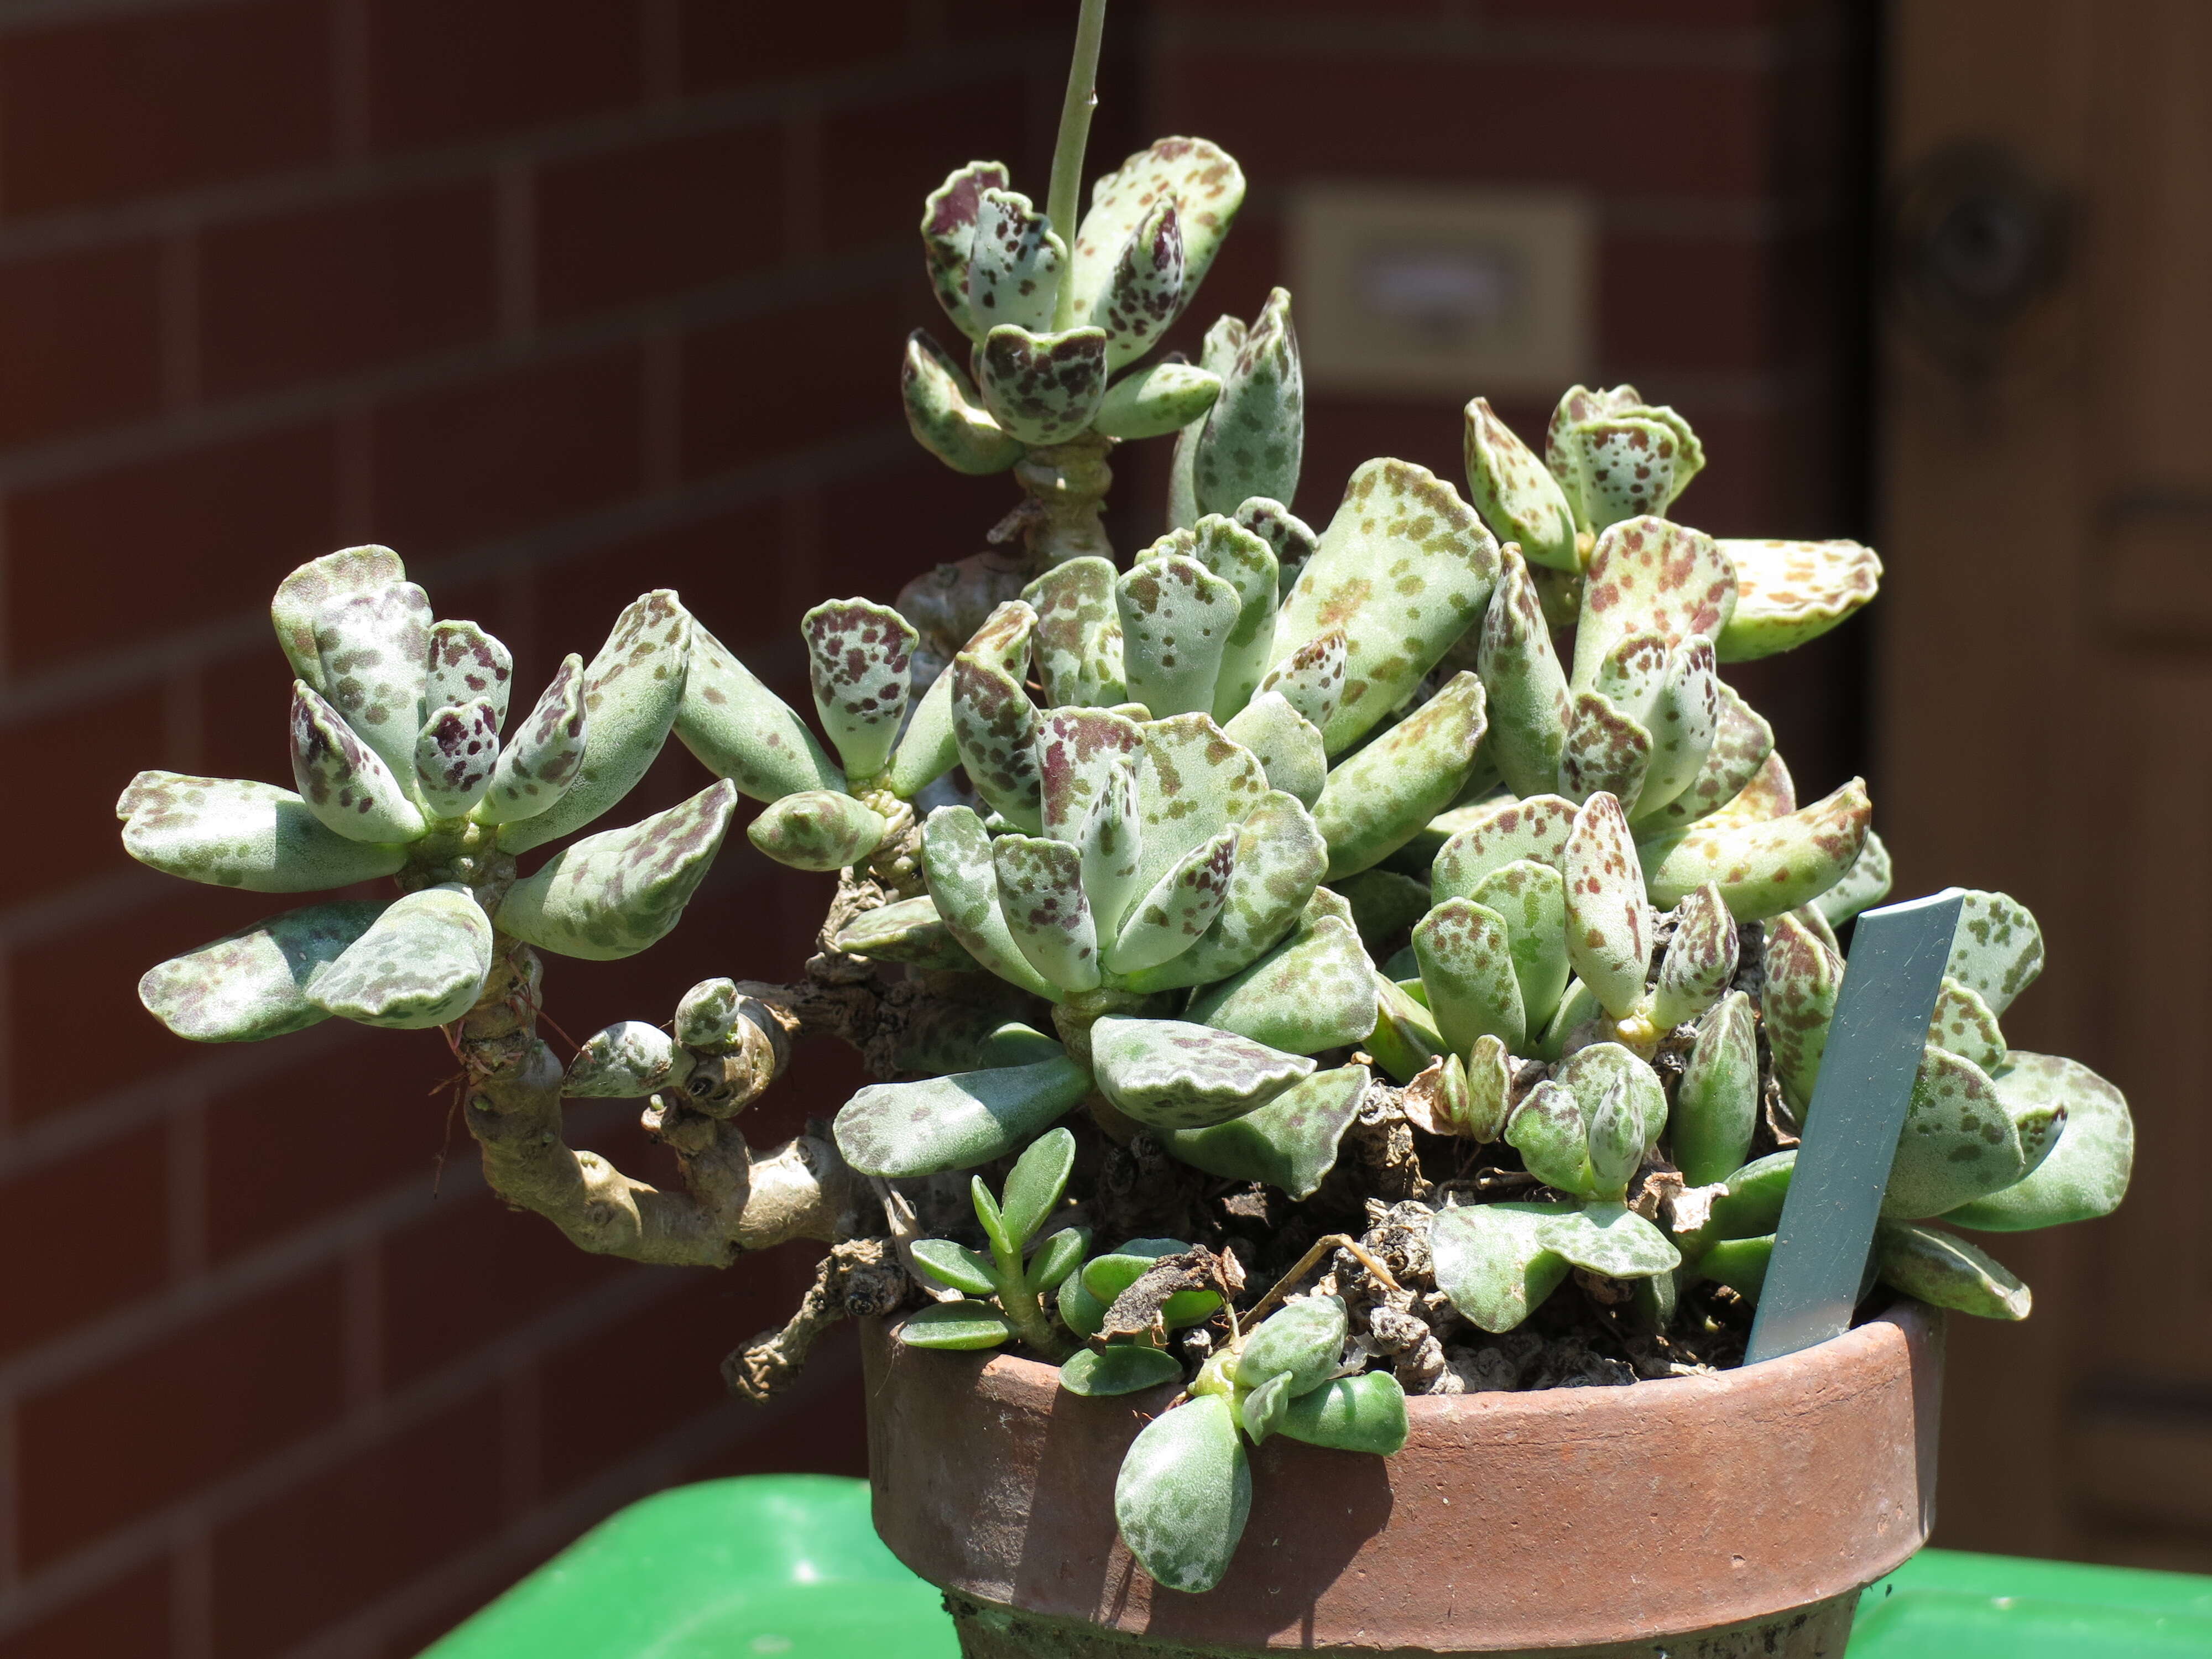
565 299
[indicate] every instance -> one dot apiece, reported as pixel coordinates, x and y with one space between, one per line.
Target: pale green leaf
1864 885
1803 978
948 236
1518 498
955 1265
1123 1368
343 781
1171 1074
1182 1494
1143 294
613 893
1041 387
2086 1175
1041 896
859 654
455 755
1648 576
927 750
301 597
467 665
1959 1141
536 767
1290 1142
421 963
1496 834
1946 1272
1014 263
1035 1184
1201 180
817 829
1252 440
1364 1414
958 1326
1465 954
1715 1109
231 833
1788 593
1605 752
1699 962
1152 402
375 651
1608 923
254 983
1963 1023
1529 708
1176 618
1315 991
1743 741
1303 1342
945 413
1382 797
1767 867
627 1060
956 1123
910 931
1287 745
1998 949
996 727
1279 857
1078 634
963 882
1311 678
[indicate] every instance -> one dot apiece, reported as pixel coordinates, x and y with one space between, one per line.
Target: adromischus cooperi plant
1407 914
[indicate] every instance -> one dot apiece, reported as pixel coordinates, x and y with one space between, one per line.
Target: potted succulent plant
1346 1000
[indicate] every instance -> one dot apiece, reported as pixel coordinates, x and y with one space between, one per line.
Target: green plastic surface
789 1564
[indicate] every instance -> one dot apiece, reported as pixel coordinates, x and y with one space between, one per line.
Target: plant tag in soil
1852 1123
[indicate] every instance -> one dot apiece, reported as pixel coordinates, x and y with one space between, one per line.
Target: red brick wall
565 299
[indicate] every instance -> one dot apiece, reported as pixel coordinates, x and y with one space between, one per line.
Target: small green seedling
1005 1288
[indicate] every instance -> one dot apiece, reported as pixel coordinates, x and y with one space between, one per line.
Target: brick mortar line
148 1537
1752 49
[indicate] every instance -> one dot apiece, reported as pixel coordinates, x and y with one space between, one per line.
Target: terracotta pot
1712 1516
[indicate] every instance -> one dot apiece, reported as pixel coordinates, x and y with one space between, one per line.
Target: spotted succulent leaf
1217 357
455 757
1803 978
1252 441
302 596
1176 618
1699 962
1960 1143
343 781
2086 1175
1625 467
1143 294
1405 1039
1042 388
948 237
737 727
1178 910
254 983
375 651
818 829
231 833
1079 750
945 413
963 882
1191 782
1742 742
1497 834
956 1123
1518 498
996 728
1078 634
1998 951
1152 402
1551 1131
1040 896
1313 992
1110 843
613 893
859 654
1683 720
1015 262
1529 708
1171 1074
1945 1271
467 663
1606 751
1648 576
1609 923
1279 861
537 767
1466 954
1764 869
1531 898
1311 678
1963 1023
1593 1072
421 963
1247 563
1866 883
1291 536
1206 188
1183 1493
1716 1111
1498 1263
710 1013
627 1060
1287 745
928 749
910 930
1788 593
1380 798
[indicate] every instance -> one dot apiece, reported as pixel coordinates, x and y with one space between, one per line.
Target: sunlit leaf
956 1123
859 654
1290 1142
421 963
254 983
2086 1175
1379 799
1184 1490
614 893
1518 499
1788 592
817 829
1171 1074
231 833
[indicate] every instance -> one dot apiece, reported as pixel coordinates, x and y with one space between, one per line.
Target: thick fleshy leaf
1314 991
1303 1342
1378 799
963 882
1998 949
1466 954
1171 1074
1608 923
955 1265
1743 741
739 728
1253 440
1605 752
2086 1175
1489 1073
628 1061
708 1014
1518 498
344 782
1866 884
1592 1073
1176 618
1648 576
374 649
817 829
1963 1023
1633 674
1804 977
1202 182
1192 783
1078 634
1176 915
948 236
1700 961
1143 292
1123 1368
1770 793
1498 833
1683 720
1551 1131
536 769
632 692
421 963
1311 678
957 1326
1616 1139
467 665
1290 1142
1151 403
1498 1263
1110 843
1217 357
613 893
301 597
254 983
927 750
455 755
1959 1141
1946 1272
1247 563
1715 1109
1292 537
1279 859
859 654
231 833
1788 592
910 931
1079 750
1056 1258
956 1123
1529 708
1625 467
1287 745
1363 1413
1042 388
1040 896
1384 905
945 413
1014 263
1035 1184
1183 1493
996 727
1765 868
1404 569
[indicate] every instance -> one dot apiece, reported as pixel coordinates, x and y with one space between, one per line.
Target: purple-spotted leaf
1551 1131
1959 1141
927 750
1290 1142
1279 860
1042 388
1465 954
1518 498
421 963
467 666
343 780
254 983
957 1122
1615 456
1151 403
1252 441
374 649
1633 673
1648 576
1247 563
1615 1139
1015 263
1404 569
1040 896
1110 843
1489 1073
628 1061
1608 923
455 755
1171 1074
1078 634
1378 799
963 882
1217 357
1531 898
2086 1175
1287 745
945 413
1143 292
1594 1070
1078 750
1176 618
910 931
1788 592
996 728
858 655
1963 1023
1498 833
1803 977
301 597
1998 949
537 767
1764 868
948 237
1743 741
613 893
1404 1041
1178 910
1311 678
1206 187
1866 883
1715 1109
1292 537
231 833
1699 962
1192 783
817 829
1811 916
710 1013
1315 991
632 692
737 727
1944 1271
1605 752
1683 720
1529 702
